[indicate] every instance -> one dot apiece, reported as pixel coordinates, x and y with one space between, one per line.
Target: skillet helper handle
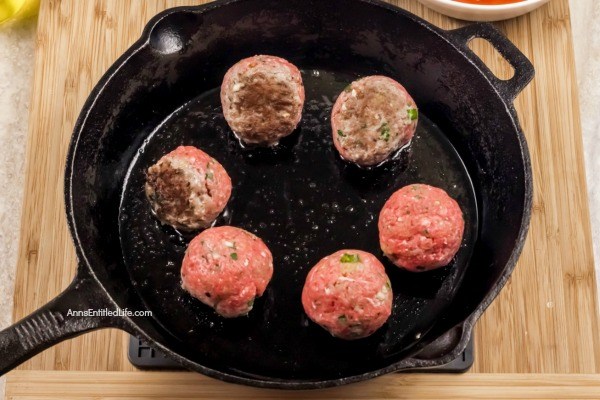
442 351
53 322
524 70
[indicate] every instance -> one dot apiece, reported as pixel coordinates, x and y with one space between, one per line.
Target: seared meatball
372 119
420 228
262 99
349 294
226 268
187 188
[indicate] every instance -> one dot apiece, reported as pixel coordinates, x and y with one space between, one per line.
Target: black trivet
142 356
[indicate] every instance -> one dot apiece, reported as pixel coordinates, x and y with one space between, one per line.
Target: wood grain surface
545 319
29 385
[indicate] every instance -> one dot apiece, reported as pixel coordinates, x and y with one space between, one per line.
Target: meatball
262 99
420 228
349 294
226 268
372 119
187 188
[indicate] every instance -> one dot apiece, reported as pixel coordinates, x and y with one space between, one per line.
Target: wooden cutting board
545 319
111 385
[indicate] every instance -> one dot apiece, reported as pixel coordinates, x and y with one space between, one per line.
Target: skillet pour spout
163 92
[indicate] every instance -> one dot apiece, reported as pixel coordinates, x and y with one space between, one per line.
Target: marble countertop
16 70
16 73
585 20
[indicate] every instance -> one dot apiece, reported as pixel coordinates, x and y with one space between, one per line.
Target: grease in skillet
296 197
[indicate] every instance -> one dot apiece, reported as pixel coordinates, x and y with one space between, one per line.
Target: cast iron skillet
299 197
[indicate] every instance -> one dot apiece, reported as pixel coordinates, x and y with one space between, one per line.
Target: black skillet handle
524 70
55 322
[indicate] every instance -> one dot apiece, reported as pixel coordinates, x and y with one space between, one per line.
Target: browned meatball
372 119
262 99
187 188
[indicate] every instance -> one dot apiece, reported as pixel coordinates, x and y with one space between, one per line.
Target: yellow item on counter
12 10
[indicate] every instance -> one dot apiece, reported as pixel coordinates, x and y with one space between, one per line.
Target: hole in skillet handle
523 69
486 51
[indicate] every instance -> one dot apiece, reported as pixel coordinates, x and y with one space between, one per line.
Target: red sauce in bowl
489 2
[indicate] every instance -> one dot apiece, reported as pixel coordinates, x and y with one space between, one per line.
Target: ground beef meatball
372 119
226 268
420 228
349 294
187 188
262 99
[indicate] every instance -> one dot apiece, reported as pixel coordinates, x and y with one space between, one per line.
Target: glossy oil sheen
305 203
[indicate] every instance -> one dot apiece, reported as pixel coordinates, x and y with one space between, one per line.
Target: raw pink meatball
420 227
372 119
226 268
187 188
349 294
262 99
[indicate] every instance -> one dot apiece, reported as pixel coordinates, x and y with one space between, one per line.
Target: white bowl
476 12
